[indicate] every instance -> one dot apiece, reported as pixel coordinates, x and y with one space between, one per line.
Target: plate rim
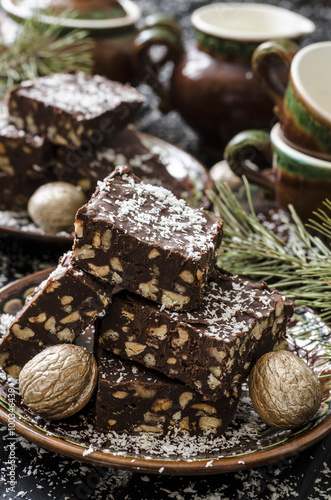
203 466
206 466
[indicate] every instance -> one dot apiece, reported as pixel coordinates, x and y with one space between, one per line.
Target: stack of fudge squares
70 127
176 336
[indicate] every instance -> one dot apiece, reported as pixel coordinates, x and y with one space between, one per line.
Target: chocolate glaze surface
72 108
142 237
212 348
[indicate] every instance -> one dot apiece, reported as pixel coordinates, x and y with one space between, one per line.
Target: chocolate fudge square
211 349
59 310
70 108
80 176
125 148
148 241
133 399
20 152
16 189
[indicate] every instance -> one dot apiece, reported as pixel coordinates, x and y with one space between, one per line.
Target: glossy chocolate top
229 306
153 214
84 96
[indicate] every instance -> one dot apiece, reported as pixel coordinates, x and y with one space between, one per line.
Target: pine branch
301 266
312 334
41 49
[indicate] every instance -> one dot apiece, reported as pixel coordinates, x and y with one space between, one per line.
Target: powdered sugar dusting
85 96
104 154
246 429
245 434
175 445
156 215
20 220
8 130
229 306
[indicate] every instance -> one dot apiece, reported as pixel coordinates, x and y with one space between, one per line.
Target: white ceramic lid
250 22
25 11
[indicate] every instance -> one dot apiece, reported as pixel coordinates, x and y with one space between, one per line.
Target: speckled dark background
43 475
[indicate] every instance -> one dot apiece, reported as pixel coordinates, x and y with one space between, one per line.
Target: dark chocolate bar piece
145 239
80 176
132 399
210 349
20 152
72 108
125 148
16 189
59 310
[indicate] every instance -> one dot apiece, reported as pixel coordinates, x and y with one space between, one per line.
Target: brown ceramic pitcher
212 84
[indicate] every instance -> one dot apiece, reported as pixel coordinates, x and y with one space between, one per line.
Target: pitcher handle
164 31
241 154
262 58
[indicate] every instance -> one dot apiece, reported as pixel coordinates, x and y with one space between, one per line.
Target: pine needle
301 266
41 49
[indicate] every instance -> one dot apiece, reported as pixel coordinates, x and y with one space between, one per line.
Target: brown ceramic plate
187 173
248 442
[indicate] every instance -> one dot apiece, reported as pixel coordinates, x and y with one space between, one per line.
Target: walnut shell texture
59 381
53 206
285 391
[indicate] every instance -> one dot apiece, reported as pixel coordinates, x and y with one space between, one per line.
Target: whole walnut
284 390
59 381
53 206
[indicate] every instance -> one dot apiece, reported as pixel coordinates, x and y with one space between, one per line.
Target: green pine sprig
301 266
40 49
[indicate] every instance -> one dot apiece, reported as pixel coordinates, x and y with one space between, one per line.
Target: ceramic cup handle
263 63
244 153
163 31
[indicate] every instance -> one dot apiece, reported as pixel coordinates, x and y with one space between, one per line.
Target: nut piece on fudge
72 108
20 152
59 310
132 399
148 241
210 349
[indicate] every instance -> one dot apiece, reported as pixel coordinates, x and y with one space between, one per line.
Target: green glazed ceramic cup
304 105
297 179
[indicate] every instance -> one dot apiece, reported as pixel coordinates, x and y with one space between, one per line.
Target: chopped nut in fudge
59 310
210 349
133 399
145 239
72 108
20 152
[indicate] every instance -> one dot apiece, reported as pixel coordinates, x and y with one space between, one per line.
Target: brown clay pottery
110 23
212 84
